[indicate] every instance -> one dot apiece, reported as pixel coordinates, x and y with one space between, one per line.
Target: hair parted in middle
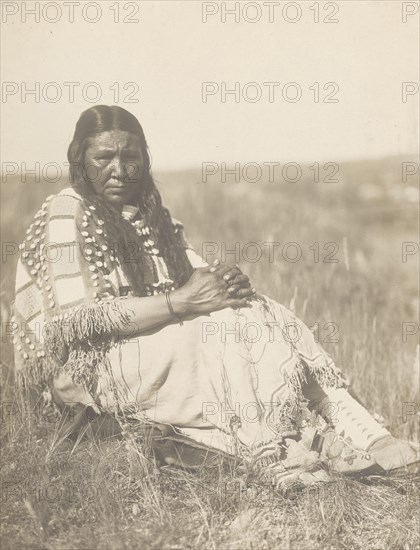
103 118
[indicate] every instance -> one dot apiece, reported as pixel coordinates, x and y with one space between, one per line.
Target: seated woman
136 324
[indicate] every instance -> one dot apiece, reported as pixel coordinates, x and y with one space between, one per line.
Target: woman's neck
129 211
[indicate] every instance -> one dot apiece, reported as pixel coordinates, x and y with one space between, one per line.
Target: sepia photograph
210 275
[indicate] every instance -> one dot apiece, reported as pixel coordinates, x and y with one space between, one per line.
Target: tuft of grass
108 492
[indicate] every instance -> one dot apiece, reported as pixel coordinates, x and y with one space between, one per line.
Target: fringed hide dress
231 380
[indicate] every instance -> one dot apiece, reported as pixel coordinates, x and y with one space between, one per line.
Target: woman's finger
215 266
232 273
244 292
232 290
239 292
240 280
225 269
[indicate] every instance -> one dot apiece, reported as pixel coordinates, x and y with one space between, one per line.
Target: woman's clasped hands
216 287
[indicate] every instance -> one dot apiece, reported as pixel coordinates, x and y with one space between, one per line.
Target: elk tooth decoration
146 234
98 267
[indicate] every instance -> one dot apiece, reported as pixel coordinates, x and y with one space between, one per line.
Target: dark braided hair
121 234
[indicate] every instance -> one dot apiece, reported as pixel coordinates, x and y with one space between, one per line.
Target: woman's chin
116 198
120 197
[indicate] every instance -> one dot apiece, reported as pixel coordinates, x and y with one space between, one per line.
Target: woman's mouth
118 190
116 186
114 182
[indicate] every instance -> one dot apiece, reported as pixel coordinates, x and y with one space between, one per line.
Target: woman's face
114 165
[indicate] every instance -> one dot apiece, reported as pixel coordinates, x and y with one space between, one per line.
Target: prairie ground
363 308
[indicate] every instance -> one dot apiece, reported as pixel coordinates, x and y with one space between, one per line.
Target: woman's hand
208 290
239 283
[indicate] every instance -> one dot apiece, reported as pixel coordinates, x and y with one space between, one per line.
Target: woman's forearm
149 312
205 292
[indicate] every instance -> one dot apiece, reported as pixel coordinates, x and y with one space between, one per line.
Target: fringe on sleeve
82 338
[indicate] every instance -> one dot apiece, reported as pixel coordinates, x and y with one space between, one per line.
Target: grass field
106 495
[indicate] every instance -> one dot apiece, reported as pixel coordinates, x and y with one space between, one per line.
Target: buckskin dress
231 380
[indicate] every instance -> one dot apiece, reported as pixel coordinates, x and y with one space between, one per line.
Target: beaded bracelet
171 309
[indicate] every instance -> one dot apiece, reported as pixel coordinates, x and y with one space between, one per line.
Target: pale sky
170 52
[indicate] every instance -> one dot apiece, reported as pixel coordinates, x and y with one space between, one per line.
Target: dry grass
106 494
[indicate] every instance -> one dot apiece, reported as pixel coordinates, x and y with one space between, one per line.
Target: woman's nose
117 168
